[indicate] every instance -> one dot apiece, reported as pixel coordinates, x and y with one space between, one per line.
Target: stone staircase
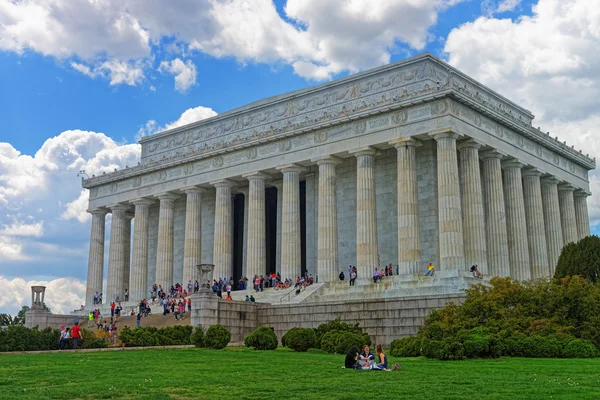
443 282
272 296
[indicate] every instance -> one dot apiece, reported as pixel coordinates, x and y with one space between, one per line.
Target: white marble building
409 163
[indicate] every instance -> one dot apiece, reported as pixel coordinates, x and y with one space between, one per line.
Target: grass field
237 373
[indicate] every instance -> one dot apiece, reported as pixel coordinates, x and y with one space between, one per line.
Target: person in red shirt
76 334
189 301
112 309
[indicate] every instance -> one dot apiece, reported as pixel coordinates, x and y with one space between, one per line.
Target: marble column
472 206
367 251
291 262
581 213
116 254
452 251
164 248
139 288
223 240
534 218
256 252
497 239
192 245
567 213
554 237
96 255
127 266
516 225
328 263
409 241
279 186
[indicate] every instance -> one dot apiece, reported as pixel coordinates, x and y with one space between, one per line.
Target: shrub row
20 338
216 337
479 346
334 337
555 318
151 336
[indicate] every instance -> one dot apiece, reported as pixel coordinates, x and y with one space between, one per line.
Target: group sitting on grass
366 359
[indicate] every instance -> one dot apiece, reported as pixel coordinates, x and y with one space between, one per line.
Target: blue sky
80 96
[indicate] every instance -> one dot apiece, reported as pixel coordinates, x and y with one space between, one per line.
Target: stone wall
384 319
239 317
43 319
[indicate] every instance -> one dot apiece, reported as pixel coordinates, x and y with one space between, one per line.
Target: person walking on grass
76 334
64 337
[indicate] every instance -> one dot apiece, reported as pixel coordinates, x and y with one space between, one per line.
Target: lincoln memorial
409 163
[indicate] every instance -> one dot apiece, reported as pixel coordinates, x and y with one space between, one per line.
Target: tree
581 258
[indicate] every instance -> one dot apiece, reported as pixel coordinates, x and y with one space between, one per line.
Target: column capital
97 211
582 193
222 183
405 142
256 175
291 168
119 207
363 151
142 202
326 160
445 133
166 196
278 184
512 163
469 143
193 189
550 180
491 154
566 187
531 171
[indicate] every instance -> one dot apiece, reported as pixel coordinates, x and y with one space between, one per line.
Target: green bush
197 338
335 325
578 348
20 338
301 339
287 335
406 347
581 258
346 340
217 337
329 341
92 341
511 318
263 338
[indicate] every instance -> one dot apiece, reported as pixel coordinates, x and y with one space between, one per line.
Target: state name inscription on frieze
411 115
394 86
492 127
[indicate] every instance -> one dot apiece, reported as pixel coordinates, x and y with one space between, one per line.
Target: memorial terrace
409 163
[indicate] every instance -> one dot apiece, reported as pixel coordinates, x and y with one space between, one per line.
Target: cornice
391 87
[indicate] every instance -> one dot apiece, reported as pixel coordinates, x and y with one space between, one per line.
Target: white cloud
46 186
184 72
490 7
23 229
548 62
192 115
187 117
317 38
118 72
62 295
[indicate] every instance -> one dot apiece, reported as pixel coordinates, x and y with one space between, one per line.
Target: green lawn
237 373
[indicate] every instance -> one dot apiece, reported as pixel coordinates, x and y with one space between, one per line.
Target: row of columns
512 222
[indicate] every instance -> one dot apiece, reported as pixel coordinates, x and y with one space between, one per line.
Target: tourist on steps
430 270
342 277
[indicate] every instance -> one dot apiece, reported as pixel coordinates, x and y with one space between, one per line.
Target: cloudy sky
82 80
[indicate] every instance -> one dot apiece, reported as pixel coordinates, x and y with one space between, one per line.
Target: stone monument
205 311
37 297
